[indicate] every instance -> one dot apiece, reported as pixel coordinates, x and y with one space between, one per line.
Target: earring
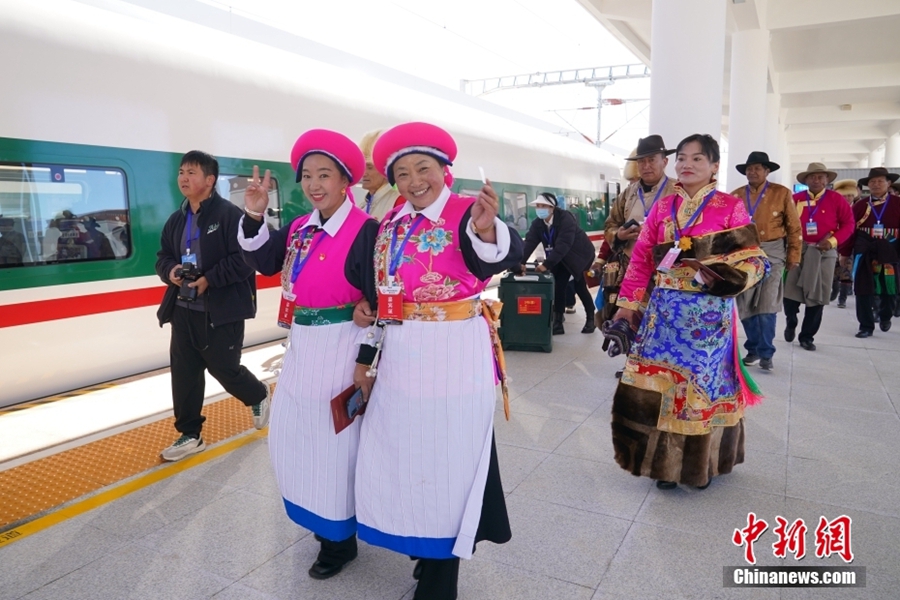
344 192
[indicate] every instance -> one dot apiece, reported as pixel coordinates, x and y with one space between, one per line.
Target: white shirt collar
333 225
432 212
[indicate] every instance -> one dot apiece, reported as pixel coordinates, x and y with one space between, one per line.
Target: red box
529 305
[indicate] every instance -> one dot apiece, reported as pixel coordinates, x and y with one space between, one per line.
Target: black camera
188 272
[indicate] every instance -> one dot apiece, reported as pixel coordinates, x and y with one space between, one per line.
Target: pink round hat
336 146
412 138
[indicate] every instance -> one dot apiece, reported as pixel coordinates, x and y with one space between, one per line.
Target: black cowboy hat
878 172
757 158
650 145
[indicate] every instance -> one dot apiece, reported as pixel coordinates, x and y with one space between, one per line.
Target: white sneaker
261 410
183 446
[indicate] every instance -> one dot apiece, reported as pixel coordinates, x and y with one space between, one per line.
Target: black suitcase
526 319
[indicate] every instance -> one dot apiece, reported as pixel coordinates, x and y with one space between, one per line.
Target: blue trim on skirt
436 548
336 531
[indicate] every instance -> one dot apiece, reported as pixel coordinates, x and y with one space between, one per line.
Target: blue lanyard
299 264
398 254
758 198
189 237
810 213
693 218
878 215
662 186
549 237
369 198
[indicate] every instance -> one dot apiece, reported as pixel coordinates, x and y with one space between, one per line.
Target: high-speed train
97 108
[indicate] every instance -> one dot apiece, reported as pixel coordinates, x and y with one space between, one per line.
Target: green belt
315 317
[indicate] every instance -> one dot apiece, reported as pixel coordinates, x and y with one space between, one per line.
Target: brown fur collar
713 244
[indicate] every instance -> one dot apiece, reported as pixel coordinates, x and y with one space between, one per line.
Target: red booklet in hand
345 407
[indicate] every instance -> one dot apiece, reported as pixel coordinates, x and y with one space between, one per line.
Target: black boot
558 328
835 290
842 296
589 325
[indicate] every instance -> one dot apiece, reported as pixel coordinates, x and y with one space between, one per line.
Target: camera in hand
631 223
188 272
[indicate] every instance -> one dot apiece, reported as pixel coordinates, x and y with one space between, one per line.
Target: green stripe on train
153 194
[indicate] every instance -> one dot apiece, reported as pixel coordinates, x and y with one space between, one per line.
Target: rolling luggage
526 319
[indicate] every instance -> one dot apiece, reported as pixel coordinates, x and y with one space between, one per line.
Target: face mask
542 213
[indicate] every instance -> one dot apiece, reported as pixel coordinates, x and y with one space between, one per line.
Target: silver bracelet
253 213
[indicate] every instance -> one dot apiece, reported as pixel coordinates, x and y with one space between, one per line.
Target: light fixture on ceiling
738 1
846 107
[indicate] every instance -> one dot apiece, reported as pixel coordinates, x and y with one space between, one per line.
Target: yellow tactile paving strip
34 488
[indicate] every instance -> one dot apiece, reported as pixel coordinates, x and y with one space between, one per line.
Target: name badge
665 265
390 303
878 231
189 258
286 309
812 228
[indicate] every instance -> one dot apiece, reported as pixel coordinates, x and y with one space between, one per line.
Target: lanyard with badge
288 297
812 228
759 198
878 228
187 257
659 192
390 295
549 237
682 242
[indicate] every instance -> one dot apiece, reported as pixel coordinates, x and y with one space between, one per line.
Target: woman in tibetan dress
325 261
677 414
428 482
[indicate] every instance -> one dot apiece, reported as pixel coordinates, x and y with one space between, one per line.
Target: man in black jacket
211 291
568 251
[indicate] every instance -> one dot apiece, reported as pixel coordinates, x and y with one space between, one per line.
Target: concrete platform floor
824 443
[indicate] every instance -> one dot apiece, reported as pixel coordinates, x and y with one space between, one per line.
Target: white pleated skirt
425 442
314 467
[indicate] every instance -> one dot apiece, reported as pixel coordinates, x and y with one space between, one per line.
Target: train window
233 187
514 209
54 213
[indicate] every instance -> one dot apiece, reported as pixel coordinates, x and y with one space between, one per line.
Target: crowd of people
382 300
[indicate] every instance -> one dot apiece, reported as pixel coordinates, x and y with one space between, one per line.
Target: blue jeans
760 330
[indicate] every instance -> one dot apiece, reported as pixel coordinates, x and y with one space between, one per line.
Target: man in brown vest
773 211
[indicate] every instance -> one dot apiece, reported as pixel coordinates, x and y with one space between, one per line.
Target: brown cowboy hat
816 167
758 158
878 172
650 145
848 185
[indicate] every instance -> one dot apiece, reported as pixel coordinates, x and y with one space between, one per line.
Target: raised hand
484 211
256 198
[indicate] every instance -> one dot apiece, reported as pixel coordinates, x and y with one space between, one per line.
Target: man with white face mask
568 251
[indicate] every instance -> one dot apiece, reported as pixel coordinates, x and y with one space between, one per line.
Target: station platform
822 444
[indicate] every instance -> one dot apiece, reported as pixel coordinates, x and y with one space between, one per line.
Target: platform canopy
832 70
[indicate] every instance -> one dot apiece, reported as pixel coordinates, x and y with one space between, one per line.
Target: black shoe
619 373
808 345
321 570
766 364
842 303
709 481
666 485
789 333
589 325
885 325
750 359
863 334
417 571
558 328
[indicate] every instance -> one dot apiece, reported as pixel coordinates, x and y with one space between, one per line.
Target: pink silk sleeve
641 268
739 216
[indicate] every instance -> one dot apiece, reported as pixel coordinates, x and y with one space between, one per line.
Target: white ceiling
823 54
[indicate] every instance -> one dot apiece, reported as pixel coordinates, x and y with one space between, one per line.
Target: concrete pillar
748 115
687 62
773 138
892 152
864 163
876 157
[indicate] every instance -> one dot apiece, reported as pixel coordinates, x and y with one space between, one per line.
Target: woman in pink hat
427 479
325 261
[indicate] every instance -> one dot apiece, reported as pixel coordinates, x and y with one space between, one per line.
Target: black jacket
570 245
231 295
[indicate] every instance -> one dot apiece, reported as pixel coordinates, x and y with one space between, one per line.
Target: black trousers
865 310
812 319
560 280
336 553
197 346
439 578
